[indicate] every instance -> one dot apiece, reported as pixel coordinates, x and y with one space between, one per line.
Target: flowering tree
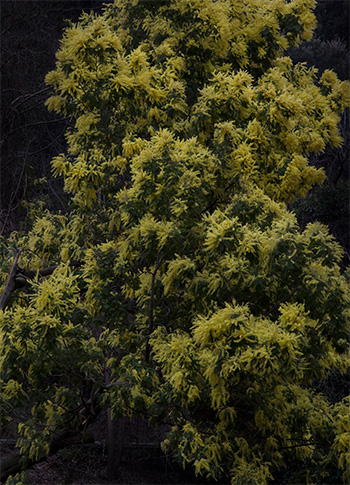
179 286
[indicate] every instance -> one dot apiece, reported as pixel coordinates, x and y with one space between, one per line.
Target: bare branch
11 283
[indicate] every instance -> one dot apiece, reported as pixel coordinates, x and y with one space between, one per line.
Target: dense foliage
179 286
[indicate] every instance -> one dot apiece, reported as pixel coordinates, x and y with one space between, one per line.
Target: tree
179 287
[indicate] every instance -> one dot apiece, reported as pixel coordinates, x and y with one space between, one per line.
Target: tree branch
48 271
18 277
11 283
151 307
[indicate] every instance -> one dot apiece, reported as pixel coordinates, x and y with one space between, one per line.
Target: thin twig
151 307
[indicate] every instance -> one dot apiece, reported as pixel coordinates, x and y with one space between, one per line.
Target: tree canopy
179 286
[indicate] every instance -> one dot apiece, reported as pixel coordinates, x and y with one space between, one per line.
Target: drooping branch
15 463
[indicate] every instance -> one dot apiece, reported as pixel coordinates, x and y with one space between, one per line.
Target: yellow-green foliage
212 70
198 297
